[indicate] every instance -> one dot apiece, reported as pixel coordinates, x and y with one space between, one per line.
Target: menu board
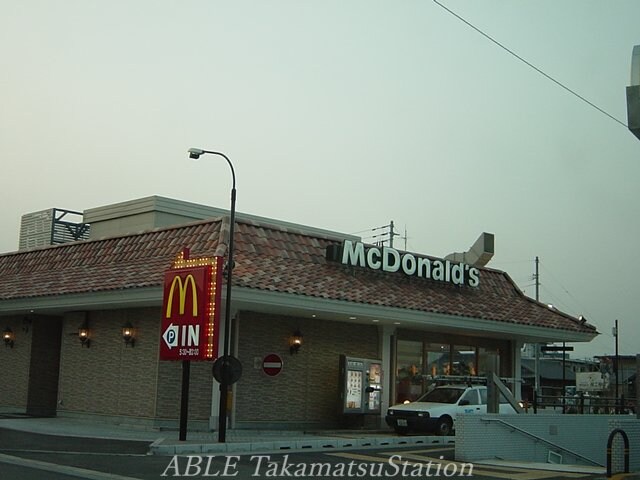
354 389
360 385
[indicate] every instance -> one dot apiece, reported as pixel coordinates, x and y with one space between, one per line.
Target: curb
159 447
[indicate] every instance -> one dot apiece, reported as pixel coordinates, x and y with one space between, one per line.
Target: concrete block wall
480 438
305 393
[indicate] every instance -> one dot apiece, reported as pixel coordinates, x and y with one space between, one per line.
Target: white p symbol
170 336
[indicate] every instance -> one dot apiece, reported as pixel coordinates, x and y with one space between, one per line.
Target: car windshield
442 395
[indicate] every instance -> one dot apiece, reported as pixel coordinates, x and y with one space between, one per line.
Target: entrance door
42 395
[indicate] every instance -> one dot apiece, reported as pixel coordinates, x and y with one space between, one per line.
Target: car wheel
402 430
444 427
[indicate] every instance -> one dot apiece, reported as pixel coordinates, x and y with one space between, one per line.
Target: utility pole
537 278
392 233
616 362
536 367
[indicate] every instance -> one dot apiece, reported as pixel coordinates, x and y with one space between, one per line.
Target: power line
540 71
370 230
582 308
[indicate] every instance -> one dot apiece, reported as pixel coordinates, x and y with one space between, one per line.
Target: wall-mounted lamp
83 335
295 342
8 336
129 334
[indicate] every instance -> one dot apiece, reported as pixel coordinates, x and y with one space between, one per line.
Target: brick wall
112 379
305 393
15 367
109 378
170 387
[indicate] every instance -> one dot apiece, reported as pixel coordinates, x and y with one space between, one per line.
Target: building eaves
270 258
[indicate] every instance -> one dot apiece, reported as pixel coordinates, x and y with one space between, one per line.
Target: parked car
436 410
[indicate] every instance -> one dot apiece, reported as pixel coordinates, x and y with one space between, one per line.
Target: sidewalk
165 442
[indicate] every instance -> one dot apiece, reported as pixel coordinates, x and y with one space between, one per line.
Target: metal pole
184 400
392 234
637 386
226 374
536 364
224 385
564 376
616 364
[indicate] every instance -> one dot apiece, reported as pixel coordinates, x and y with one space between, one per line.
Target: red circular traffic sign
272 364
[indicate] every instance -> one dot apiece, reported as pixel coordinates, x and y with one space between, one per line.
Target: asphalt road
25 455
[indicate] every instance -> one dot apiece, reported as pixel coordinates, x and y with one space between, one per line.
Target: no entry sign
272 364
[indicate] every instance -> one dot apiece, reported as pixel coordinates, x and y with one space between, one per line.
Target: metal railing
585 404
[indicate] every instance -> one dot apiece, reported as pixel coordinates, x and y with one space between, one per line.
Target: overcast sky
344 116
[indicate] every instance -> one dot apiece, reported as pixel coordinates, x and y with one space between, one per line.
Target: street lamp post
195 154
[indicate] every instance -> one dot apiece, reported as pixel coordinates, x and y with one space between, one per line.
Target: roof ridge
117 236
224 236
294 229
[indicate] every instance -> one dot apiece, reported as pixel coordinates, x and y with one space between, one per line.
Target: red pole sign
191 309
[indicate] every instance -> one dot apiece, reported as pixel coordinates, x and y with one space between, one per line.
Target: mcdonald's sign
191 309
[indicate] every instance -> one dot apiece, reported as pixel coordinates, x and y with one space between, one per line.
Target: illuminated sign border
203 276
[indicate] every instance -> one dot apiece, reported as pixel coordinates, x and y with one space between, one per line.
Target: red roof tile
268 258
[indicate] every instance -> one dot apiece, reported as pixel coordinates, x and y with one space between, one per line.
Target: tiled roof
111 264
269 258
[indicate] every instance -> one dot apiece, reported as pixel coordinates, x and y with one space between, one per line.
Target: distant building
552 380
626 373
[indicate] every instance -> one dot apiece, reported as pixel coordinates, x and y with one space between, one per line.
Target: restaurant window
438 362
409 381
464 362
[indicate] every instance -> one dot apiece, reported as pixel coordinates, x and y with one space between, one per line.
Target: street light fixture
195 153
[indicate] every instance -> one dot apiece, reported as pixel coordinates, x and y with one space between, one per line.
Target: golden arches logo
182 289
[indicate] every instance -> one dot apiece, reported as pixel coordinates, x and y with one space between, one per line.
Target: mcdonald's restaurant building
82 320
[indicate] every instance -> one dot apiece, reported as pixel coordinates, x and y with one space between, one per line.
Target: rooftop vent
51 227
479 254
